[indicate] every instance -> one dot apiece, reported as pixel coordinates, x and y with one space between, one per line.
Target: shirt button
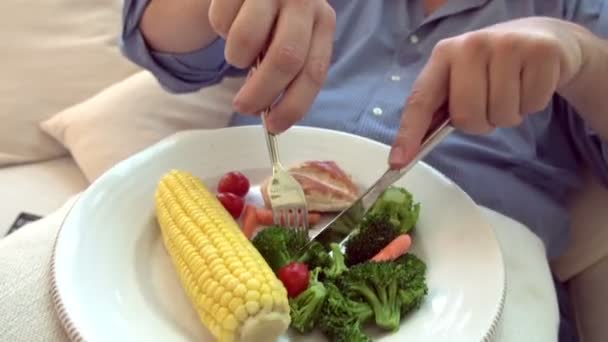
395 78
377 111
414 39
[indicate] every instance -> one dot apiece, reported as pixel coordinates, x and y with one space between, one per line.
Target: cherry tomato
233 203
295 277
234 182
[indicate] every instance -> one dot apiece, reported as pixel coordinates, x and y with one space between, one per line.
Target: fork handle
271 142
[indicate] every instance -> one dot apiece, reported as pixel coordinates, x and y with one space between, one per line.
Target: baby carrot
250 221
396 248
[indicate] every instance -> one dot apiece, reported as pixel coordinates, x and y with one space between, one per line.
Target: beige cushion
55 53
38 188
26 308
134 114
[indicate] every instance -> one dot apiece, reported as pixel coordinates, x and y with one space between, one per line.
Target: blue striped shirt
527 172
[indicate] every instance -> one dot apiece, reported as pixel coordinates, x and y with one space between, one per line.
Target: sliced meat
327 187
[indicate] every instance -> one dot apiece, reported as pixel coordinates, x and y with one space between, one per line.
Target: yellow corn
235 293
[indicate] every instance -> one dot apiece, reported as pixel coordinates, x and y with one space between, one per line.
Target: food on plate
232 203
326 186
281 246
372 235
394 249
236 294
265 217
255 218
306 307
295 277
252 284
250 221
337 266
234 182
393 214
397 204
341 318
338 298
380 284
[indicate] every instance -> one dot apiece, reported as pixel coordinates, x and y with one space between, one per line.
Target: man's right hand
298 35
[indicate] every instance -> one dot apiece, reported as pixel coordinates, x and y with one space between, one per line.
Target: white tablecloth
26 312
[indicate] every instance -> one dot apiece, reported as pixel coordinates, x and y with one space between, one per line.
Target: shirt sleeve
592 14
177 73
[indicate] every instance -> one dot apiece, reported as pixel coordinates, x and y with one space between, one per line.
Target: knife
340 227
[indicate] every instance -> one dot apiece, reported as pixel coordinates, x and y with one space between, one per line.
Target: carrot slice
250 221
264 217
396 248
313 218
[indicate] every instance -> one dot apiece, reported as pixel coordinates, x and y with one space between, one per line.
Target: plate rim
70 327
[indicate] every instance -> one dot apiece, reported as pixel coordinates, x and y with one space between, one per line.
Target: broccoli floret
377 283
279 246
341 318
337 265
413 288
397 204
306 307
316 256
353 334
374 233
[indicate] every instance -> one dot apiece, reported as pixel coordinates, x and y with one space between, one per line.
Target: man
523 81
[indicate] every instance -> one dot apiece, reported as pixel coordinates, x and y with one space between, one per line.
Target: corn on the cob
235 293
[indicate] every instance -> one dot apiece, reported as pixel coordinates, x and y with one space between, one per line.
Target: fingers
221 15
428 94
284 59
504 90
302 91
539 80
249 32
469 86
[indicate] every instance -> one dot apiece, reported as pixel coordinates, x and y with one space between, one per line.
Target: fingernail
397 157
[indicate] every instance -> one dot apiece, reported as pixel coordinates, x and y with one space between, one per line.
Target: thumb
429 93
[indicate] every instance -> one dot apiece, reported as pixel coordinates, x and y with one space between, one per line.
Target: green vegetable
306 307
390 288
337 265
280 246
316 256
341 318
374 233
413 288
397 204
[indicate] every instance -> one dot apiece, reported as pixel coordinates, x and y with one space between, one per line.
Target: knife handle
439 128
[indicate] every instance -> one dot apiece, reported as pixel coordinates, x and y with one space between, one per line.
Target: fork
287 199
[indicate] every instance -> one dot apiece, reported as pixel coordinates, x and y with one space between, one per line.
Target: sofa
71 107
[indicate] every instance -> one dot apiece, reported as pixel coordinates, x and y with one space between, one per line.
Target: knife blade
341 226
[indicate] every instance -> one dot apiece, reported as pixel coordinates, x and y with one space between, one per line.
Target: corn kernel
230 323
252 296
252 307
235 303
253 284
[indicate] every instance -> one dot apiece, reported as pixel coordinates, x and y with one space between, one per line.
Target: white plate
113 281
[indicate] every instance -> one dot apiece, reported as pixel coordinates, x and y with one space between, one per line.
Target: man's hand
299 36
490 78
